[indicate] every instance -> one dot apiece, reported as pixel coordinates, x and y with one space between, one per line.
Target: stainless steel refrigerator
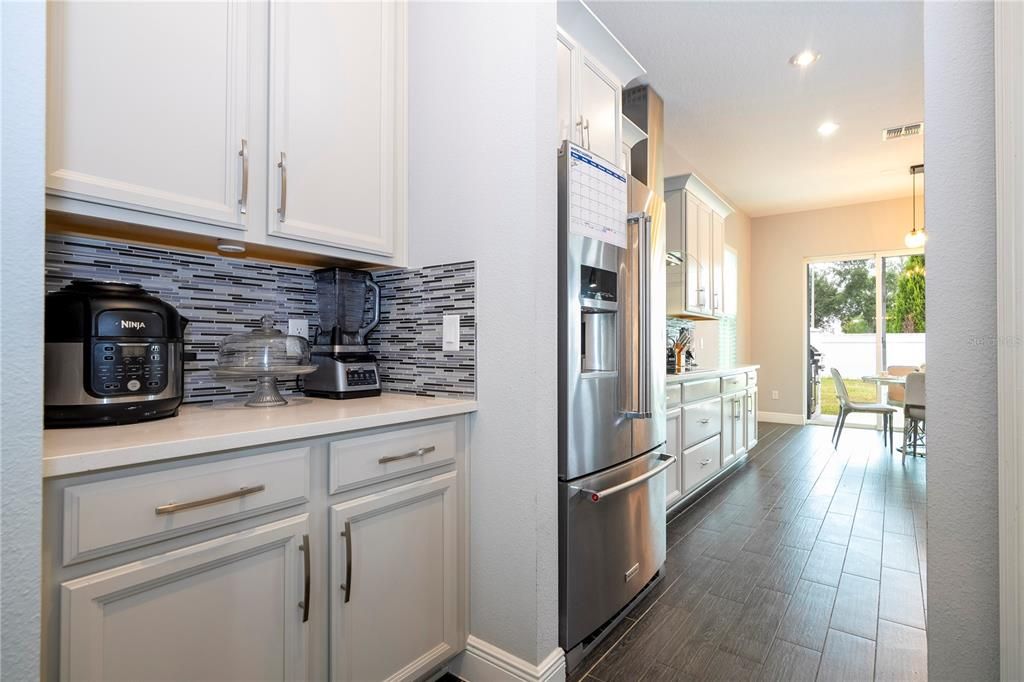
611 253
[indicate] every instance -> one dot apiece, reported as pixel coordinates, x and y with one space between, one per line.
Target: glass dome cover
263 350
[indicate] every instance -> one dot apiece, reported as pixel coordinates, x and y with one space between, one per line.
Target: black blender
349 303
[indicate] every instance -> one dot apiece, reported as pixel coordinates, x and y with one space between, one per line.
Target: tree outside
905 308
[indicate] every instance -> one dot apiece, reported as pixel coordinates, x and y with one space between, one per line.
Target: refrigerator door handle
598 495
638 386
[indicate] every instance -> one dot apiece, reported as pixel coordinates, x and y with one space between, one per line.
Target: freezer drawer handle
598 495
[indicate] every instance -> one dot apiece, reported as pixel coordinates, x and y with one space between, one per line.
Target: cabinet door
694 266
675 247
566 57
673 445
704 256
226 609
600 106
394 582
733 419
717 264
148 106
337 123
751 406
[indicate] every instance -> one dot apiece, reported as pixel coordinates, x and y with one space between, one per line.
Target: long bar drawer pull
347 585
233 495
597 495
415 453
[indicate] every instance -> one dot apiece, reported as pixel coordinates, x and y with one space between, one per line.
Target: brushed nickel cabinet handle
586 128
243 199
705 462
415 453
347 585
579 126
705 420
304 604
172 507
283 203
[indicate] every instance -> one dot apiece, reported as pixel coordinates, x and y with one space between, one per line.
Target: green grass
860 391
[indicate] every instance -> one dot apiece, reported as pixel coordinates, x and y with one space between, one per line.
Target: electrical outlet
298 328
701 343
775 395
450 333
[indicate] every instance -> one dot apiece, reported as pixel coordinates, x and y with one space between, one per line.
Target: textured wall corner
963 549
22 97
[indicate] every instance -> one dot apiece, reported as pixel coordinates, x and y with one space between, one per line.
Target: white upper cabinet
695 226
593 66
280 124
337 141
717 265
566 59
601 111
149 106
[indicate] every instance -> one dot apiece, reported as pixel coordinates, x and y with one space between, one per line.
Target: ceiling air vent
908 130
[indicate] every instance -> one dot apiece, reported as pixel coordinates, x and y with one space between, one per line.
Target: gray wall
482 187
963 549
22 73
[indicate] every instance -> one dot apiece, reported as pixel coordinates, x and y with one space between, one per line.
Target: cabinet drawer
109 516
369 457
698 390
734 383
752 378
701 421
701 462
673 395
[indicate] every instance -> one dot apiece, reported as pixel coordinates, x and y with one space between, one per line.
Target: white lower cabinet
673 446
394 568
225 609
733 421
751 406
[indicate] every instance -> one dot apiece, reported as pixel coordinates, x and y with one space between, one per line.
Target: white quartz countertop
708 373
201 429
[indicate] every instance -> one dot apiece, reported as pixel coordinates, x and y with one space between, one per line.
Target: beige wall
779 245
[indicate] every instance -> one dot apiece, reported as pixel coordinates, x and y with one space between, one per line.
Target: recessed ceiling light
805 58
828 128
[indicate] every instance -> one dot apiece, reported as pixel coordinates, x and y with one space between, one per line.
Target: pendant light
916 238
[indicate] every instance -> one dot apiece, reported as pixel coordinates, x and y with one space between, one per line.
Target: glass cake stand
264 354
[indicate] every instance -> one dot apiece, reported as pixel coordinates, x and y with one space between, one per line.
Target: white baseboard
484 662
780 418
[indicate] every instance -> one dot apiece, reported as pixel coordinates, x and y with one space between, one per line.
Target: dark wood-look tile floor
807 563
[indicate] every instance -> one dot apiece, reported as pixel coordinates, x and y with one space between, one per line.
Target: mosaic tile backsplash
222 296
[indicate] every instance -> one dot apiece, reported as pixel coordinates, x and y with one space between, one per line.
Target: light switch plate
298 328
775 395
450 333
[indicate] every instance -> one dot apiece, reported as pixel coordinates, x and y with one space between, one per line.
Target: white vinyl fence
854 354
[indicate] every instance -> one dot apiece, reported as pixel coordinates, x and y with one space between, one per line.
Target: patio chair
896 393
913 413
847 406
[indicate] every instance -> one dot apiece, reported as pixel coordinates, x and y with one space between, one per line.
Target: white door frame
1009 72
879 258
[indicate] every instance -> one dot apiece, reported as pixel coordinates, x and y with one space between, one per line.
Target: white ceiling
742 118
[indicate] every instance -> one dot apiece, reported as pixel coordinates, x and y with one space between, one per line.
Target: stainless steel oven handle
598 495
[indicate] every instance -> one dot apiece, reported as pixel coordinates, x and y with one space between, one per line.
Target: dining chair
914 413
847 406
895 393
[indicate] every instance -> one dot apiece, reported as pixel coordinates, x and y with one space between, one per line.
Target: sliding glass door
865 317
